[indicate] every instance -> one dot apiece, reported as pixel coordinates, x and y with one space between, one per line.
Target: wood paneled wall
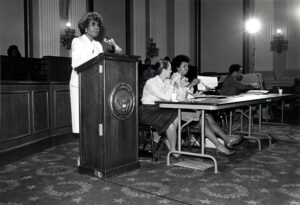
31 112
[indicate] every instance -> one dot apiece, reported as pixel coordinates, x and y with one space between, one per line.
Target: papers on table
258 91
207 82
208 96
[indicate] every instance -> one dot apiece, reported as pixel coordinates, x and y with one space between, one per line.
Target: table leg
202 131
179 130
202 154
178 137
230 122
281 123
282 111
250 134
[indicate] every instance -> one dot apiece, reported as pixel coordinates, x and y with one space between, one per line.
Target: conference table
205 103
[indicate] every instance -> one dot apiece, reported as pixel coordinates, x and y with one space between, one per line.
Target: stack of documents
258 91
207 83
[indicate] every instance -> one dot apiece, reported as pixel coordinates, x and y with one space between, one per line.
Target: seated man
232 84
181 63
160 88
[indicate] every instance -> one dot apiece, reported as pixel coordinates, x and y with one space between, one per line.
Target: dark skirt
159 118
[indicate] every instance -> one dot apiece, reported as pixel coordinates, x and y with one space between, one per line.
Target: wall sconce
278 43
67 37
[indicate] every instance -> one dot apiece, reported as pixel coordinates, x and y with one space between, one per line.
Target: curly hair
176 62
87 18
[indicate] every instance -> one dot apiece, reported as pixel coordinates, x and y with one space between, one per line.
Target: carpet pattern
251 177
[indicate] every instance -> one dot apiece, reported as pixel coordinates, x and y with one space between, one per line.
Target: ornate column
158 26
139 28
77 10
293 33
49 24
182 27
263 57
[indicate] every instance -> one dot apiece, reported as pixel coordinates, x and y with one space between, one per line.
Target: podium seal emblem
122 101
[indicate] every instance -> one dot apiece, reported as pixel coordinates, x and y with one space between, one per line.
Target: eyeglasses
94 23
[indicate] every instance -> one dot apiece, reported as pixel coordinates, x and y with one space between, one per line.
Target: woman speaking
84 48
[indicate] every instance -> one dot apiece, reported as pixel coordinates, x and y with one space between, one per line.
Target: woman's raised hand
195 81
175 77
112 42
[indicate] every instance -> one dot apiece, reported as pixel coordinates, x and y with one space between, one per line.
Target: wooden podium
108 114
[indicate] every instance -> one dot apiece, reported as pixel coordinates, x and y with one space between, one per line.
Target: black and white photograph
149 102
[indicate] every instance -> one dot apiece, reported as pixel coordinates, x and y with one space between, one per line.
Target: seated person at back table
181 63
232 84
160 88
13 51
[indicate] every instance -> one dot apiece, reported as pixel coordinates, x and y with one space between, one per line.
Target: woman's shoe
225 151
234 140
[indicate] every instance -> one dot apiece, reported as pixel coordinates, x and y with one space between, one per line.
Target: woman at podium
84 48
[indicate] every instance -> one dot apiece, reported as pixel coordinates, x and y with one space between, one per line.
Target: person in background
160 88
83 48
167 58
147 61
181 64
147 71
232 84
13 51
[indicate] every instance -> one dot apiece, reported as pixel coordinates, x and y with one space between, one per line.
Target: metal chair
146 133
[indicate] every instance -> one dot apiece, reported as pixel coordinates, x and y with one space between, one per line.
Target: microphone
109 41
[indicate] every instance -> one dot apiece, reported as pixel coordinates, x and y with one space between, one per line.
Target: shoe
225 152
194 141
234 140
178 158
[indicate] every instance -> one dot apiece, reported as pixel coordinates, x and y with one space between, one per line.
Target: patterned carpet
251 177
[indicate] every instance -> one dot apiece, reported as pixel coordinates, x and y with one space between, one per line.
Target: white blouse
83 49
156 90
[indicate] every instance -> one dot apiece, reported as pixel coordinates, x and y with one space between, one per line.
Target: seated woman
212 129
160 88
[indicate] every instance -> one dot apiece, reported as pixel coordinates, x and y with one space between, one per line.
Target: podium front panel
108 116
121 127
